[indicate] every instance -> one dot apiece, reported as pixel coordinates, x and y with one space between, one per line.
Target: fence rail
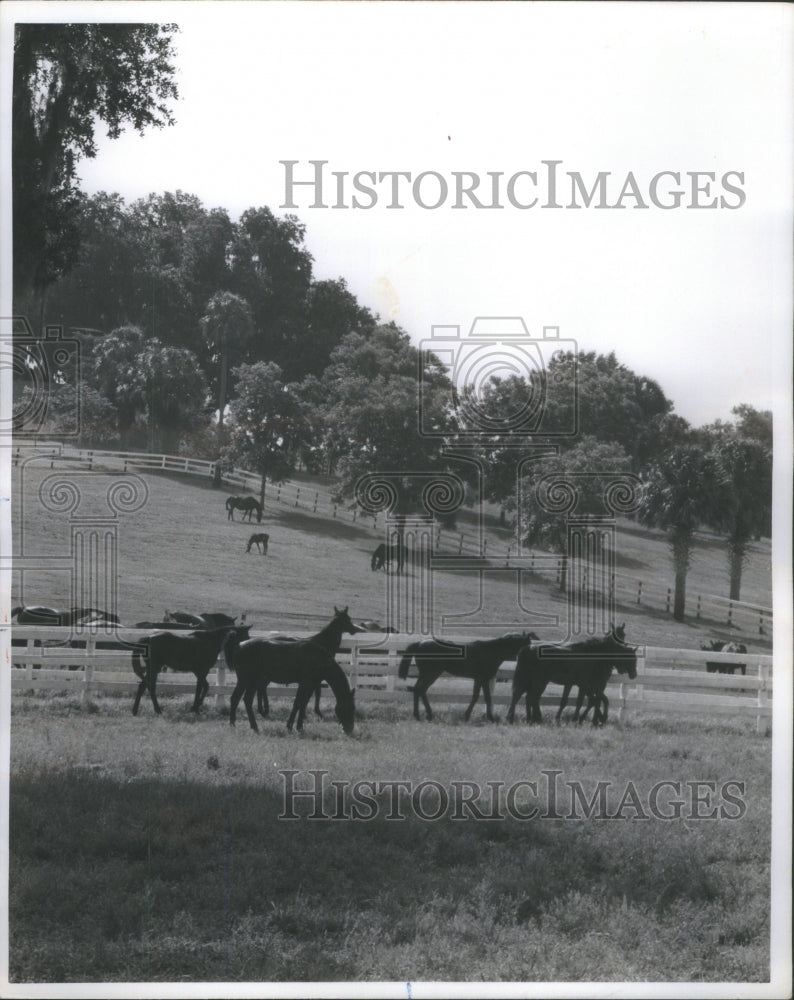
668 680
625 590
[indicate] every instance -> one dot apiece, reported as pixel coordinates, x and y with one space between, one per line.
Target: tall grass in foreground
151 849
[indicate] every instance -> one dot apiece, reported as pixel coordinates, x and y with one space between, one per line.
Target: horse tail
405 663
137 653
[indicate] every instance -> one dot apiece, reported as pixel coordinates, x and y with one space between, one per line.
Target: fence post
353 679
460 545
763 698
697 612
622 712
88 667
667 608
220 681
639 591
730 614
297 495
334 510
761 621
162 461
316 498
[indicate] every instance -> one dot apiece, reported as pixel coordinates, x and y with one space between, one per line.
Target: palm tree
677 498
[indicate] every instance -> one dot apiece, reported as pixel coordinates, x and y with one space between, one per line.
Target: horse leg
201 690
514 700
141 689
248 699
533 704
299 705
564 700
317 693
152 685
473 702
262 703
486 693
599 715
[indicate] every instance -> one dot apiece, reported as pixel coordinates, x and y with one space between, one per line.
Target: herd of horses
192 644
311 662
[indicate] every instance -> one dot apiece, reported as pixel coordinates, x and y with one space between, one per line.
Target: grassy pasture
179 552
151 849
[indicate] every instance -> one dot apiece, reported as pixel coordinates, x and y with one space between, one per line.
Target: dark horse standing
715 667
587 665
257 662
186 652
479 660
384 555
246 504
330 638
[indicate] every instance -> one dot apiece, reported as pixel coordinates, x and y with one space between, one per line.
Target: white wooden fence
668 680
626 590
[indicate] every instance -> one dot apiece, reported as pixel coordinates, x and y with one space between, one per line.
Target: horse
594 701
257 662
384 555
715 646
207 619
329 638
37 614
217 619
190 652
372 626
479 660
587 664
184 618
260 541
246 504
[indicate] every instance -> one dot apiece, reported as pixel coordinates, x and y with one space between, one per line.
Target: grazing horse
207 619
329 638
246 504
588 665
384 555
192 652
260 541
479 660
38 615
257 662
183 618
372 626
715 667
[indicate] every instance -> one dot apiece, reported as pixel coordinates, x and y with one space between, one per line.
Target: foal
260 541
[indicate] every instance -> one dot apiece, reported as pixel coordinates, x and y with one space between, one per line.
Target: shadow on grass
159 880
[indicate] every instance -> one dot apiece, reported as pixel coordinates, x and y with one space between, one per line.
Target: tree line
204 335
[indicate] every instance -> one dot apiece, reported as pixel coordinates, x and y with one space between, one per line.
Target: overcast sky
699 299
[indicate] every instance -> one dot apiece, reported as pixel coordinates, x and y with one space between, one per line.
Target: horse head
342 620
627 662
346 711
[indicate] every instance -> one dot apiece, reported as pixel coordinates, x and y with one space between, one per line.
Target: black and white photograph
396 514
